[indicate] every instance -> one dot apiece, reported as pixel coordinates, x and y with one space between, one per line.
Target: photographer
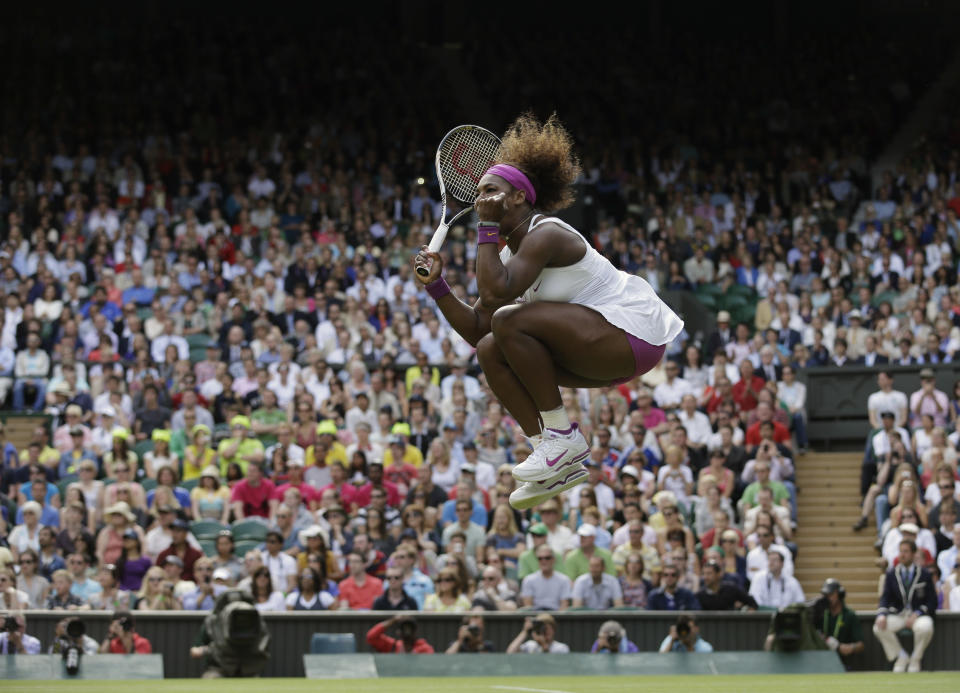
470 637
122 638
408 642
838 624
612 639
14 638
685 637
537 636
71 632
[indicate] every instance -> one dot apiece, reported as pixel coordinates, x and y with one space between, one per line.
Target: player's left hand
491 208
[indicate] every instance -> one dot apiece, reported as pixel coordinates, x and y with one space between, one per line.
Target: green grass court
945 682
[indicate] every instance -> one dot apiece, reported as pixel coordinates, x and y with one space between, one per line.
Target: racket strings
465 155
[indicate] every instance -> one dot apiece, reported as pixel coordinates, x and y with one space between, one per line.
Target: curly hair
544 152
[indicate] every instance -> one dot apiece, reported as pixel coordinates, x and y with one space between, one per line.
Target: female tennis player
552 311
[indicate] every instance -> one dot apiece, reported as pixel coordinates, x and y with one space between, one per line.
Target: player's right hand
432 261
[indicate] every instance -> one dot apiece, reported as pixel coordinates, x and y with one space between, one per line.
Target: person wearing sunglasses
396 597
670 596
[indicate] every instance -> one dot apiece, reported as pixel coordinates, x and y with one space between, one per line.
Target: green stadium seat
208 546
206 529
148 484
197 354
64 482
747 292
252 530
712 289
708 300
333 643
241 547
197 340
142 448
733 301
190 484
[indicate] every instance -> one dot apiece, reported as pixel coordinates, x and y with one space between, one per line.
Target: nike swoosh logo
537 286
556 459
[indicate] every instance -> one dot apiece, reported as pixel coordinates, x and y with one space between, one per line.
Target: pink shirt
255 499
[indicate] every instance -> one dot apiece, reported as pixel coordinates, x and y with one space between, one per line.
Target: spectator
928 400
265 597
30 582
669 596
31 370
758 556
612 639
546 589
596 589
358 590
310 594
685 637
395 598
717 594
408 642
538 636
60 596
771 588
282 566
181 548
82 585
577 562
449 595
203 597
250 497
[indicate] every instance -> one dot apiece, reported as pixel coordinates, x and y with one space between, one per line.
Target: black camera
76 629
683 629
125 623
473 630
10 624
538 627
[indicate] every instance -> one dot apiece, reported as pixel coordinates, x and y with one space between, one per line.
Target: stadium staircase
19 427
827 506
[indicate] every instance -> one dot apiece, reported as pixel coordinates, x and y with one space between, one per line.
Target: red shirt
307 492
780 433
382 642
189 557
255 499
362 498
140 645
357 597
401 474
348 494
742 398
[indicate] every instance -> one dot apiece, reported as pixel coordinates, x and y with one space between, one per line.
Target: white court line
530 690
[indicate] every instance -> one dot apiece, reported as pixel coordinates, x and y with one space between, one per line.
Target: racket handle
439 236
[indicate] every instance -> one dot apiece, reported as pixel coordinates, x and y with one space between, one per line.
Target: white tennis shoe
556 453
534 493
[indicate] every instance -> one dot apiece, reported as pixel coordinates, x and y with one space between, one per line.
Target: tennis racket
464 155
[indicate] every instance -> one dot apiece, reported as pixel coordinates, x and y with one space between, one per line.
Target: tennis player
552 311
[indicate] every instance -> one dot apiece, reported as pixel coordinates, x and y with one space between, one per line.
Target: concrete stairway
827 506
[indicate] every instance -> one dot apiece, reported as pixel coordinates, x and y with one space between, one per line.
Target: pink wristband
488 233
438 289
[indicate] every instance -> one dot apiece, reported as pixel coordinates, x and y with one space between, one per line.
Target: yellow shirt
246 446
336 453
414 373
193 472
411 455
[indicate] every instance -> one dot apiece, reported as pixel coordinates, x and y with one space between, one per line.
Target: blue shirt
626 647
417 587
140 295
700 645
49 517
449 513
86 589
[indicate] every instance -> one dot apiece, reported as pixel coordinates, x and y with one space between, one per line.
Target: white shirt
667 393
605 500
281 567
894 401
891 544
757 560
698 426
776 592
945 561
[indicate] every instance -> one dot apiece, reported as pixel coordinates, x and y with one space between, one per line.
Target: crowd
248 388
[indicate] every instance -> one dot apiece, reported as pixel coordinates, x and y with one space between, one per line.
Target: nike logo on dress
537 286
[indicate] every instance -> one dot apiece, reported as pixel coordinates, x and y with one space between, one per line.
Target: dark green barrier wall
172 634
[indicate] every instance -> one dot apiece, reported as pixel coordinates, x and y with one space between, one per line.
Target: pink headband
516 178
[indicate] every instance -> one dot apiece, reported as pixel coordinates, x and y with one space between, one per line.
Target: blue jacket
900 593
682 600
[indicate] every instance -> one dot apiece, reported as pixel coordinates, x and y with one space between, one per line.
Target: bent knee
923 624
488 350
504 319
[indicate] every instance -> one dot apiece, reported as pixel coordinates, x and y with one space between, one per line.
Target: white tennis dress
625 300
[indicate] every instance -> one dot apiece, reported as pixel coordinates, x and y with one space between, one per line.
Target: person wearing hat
241 448
79 452
908 600
101 436
839 624
909 528
928 400
209 499
181 548
537 637
72 420
326 449
119 519
720 337
409 453
612 639
577 563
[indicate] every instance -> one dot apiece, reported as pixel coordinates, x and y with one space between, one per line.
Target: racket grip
439 236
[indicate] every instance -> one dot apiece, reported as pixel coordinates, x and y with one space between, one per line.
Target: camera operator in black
71 631
13 635
685 637
470 637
